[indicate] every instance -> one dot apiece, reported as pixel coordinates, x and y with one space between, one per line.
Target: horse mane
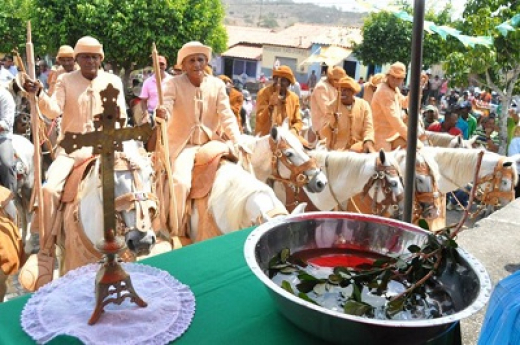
342 163
440 139
233 186
400 156
459 164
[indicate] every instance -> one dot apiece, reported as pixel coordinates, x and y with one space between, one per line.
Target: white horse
281 154
427 176
448 140
349 173
238 200
497 175
24 168
135 205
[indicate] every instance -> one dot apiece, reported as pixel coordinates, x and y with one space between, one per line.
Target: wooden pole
162 147
35 128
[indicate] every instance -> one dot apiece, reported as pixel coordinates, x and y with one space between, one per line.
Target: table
232 305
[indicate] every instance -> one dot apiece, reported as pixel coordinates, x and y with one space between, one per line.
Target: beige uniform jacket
387 115
53 78
354 125
323 94
264 117
78 99
197 113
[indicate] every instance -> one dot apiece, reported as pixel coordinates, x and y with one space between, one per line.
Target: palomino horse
350 173
136 209
10 240
427 199
496 179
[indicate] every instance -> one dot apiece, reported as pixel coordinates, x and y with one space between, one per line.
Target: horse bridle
388 205
431 198
298 177
141 202
490 194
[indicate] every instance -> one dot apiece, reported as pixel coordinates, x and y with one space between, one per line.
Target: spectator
448 125
313 79
487 135
430 116
514 148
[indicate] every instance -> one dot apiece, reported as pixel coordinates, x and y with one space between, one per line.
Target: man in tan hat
324 93
348 122
149 95
387 110
370 86
236 98
65 59
77 97
197 109
275 103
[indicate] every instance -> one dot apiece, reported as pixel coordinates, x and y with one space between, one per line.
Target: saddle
71 188
207 161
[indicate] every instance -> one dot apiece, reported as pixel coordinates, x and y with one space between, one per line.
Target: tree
13 19
387 39
127 28
496 67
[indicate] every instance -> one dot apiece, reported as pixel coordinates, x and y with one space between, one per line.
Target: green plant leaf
357 308
287 286
307 298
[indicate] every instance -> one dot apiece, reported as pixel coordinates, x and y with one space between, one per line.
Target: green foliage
387 39
127 28
13 23
268 22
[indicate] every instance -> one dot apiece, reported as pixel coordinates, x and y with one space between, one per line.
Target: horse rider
348 123
198 111
236 99
324 93
275 103
65 59
7 169
370 87
149 96
77 99
387 110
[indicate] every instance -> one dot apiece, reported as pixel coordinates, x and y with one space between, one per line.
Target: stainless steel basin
470 288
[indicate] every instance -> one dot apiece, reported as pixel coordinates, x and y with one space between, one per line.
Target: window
241 66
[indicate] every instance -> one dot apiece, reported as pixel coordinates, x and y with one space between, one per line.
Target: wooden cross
105 140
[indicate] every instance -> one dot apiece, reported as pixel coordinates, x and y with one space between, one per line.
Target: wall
270 53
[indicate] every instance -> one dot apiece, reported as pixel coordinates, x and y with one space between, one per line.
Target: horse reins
490 194
380 182
432 198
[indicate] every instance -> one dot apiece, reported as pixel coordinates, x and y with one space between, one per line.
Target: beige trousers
182 167
53 187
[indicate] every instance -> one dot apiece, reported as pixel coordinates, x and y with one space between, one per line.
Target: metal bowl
469 287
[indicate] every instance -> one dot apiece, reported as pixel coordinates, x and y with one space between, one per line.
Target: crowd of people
345 114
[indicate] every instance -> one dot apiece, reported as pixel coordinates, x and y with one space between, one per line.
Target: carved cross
105 140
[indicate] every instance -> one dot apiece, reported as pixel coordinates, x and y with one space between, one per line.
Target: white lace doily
64 307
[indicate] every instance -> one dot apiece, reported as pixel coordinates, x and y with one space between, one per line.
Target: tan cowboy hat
191 48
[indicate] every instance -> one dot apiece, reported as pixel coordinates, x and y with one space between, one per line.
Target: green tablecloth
232 305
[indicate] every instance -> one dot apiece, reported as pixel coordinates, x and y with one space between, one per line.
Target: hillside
279 14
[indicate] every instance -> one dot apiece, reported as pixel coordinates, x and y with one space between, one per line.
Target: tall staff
162 148
35 127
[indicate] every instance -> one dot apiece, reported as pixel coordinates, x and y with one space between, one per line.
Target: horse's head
497 188
427 195
458 142
385 187
136 205
291 164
